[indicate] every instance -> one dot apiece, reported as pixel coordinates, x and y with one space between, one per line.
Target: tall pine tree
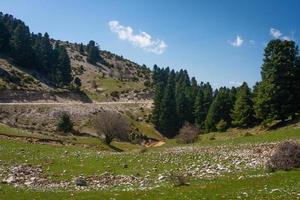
242 115
168 118
276 95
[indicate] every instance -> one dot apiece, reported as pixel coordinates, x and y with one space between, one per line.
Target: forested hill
180 102
30 61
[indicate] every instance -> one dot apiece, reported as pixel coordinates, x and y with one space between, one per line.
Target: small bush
65 124
115 94
247 134
187 134
179 179
221 126
286 157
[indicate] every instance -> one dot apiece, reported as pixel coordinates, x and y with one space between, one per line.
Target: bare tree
112 125
187 134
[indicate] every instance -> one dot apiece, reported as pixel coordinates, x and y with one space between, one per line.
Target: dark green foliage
219 109
221 126
77 83
183 98
242 114
65 124
20 45
168 119
62 69
275 96
202 103
4 36
34 51
93 54
159 90
81 49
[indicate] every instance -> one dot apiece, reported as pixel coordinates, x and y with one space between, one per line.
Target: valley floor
226 167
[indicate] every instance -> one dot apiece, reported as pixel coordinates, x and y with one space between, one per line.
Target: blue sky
220 41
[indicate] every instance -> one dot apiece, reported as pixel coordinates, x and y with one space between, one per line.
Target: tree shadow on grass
115 148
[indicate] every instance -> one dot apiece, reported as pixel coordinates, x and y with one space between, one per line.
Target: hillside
114 79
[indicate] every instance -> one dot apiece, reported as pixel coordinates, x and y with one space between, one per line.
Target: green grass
288 184
76 161
110 85
236 138
147 129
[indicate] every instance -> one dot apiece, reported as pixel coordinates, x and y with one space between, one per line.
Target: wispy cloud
275 33
235 83
238 42
252 42
142 40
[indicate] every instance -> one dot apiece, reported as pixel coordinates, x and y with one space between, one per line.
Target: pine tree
81 49
202 103
276 95
183 100
159 91
62 71
4 37
168 118
93 54
219 110
20 44
242 114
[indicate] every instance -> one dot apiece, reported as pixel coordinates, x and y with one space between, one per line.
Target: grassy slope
223 188
109 85
55 159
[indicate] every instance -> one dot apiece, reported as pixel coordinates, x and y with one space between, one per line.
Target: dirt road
149 102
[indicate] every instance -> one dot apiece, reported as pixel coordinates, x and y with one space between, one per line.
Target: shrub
115 94
179 179
65 124
187 134
112 125
285 157
221 126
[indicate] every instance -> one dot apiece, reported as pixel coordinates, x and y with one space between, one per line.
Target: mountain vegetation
179 99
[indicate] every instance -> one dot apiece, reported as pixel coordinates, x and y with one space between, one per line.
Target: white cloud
275 33
142 40
252 42
237 42
235 83
278 35
286 38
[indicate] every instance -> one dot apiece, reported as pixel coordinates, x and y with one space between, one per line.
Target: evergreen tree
219 110
183 101
4 37
93 54
159 91
168 118
81 49
242 114
20 45
77 83
44 54
202 103
276 95
65 124
62 71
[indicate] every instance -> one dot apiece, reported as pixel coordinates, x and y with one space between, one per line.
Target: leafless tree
187 134
112 125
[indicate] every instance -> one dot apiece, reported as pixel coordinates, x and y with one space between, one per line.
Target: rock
161 177
275 190
9 180
80 182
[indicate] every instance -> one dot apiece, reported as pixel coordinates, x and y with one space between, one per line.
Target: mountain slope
115 78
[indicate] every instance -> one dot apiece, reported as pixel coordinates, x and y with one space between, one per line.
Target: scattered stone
80 182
